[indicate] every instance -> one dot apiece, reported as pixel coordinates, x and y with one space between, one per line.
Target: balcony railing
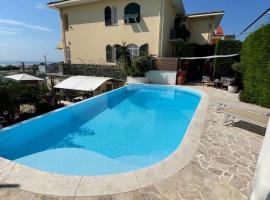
180 34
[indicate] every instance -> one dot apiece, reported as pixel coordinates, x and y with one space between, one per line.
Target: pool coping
36 181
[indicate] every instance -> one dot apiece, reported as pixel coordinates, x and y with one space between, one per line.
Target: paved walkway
222 168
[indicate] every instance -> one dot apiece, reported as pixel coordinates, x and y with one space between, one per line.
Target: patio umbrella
24 77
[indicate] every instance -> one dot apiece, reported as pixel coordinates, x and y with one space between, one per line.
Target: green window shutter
108 16
108 53
144 50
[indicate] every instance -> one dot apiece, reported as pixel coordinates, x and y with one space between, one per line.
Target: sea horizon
26 63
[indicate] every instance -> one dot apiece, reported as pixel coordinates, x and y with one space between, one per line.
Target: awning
24 77
82 83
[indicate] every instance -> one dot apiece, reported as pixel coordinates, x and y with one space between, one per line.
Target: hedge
223 65
255 64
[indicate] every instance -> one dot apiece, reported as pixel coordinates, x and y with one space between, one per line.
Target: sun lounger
249 116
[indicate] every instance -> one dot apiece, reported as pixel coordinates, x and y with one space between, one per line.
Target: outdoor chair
206 81
231 113
226 82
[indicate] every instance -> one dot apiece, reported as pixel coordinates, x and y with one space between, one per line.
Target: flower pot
233 89
137 79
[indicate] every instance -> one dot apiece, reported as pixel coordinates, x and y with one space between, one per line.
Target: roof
24 77
82 83
178 4
207 14
216 15
56 2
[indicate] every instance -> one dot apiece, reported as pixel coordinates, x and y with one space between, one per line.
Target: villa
93 30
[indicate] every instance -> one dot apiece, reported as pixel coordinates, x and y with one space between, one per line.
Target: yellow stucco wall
201 29
88 35
168 25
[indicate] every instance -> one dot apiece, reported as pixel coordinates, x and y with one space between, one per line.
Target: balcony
179 34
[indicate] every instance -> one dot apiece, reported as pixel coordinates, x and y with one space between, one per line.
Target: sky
238 13
29 30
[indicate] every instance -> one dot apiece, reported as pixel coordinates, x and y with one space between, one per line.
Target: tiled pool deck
222 168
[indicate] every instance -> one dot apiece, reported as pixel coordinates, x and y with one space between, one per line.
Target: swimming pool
125 130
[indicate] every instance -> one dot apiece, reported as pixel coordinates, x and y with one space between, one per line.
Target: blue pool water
124 130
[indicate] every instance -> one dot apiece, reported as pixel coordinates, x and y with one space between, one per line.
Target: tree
9 99
125 58
13 94
223 65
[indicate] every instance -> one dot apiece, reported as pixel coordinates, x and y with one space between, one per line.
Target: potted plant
135 68
233 87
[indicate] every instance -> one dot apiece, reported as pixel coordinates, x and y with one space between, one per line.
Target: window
109 53
134 50
132 13
108 16
116 52
115 16
144 50
65 22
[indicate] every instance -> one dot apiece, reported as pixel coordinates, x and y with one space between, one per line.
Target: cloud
40 6
8 32
4 28
24 24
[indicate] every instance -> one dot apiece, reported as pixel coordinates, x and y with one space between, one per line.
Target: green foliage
139 66
13 94
10 93
183 33
255 63
236 67
187 50
124 60
223 65
193 49
135 67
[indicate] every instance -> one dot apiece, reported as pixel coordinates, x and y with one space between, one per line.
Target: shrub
139 66
236 67
124 61
183 32
136 67
187 50
13 94
255 63
192 49
223 65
